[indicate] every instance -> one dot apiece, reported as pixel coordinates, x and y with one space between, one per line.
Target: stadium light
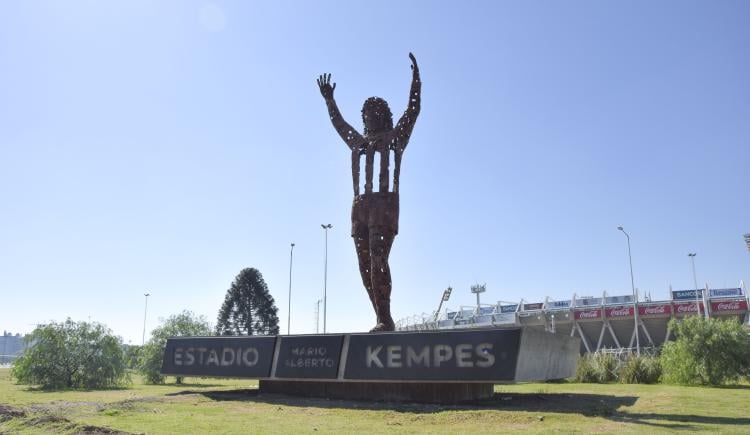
747 241
477 289
446 296
635 298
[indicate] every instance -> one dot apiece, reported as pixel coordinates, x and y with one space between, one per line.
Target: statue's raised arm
409 118
346 131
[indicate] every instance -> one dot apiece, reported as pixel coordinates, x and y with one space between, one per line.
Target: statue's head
376 115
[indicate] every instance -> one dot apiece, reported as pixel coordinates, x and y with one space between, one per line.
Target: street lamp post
145 310
635 297
289 309
695 284
325 227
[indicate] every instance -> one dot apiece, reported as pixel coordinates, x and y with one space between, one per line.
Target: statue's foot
383 327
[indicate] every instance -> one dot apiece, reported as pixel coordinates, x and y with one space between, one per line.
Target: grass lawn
234 406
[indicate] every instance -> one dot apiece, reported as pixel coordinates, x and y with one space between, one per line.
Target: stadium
604 323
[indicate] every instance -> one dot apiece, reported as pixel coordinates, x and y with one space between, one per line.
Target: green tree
185 324
72 355
706 351
132 354
248 307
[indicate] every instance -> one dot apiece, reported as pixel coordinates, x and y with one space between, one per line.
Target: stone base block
421 392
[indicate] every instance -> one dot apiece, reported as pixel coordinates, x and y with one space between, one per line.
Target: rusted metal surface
375 212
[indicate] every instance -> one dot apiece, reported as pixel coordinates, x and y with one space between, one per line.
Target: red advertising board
724 306
656 310
588 314
619 312
683 308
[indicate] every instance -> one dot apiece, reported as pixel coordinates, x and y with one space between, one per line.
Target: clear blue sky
163 146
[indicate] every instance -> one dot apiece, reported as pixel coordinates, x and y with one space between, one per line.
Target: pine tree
248 307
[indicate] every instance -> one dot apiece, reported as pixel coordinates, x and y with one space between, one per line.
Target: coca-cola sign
655 310
687 308
723 306
588 315
619 312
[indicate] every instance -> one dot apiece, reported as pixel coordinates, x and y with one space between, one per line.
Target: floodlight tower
747 241
477 289
446 296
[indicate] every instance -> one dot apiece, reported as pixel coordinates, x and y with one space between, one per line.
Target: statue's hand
324 83
414 66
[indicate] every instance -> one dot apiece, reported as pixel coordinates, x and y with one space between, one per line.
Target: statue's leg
362 245
380 248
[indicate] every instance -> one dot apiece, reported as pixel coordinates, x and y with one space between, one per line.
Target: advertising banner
611 300
558 305
508 308
588 314
726 306
619 312
486 310
724 292
586 302
683 308
655 310
534 306
681 295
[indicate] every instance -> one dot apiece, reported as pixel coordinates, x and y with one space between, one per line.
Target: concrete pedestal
419 392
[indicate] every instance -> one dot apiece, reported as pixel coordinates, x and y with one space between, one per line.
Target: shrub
597 368
706 351
152 353
72 355
640 370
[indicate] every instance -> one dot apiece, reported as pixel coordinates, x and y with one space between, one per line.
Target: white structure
604 322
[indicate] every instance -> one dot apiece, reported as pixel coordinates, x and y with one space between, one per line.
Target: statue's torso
386 147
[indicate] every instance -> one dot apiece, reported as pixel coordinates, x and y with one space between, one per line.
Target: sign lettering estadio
219 356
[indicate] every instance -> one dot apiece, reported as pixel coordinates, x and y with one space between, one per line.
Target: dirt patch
8 412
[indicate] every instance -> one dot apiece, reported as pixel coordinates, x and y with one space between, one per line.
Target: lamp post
325 227
289 309
635 297
145 310
317 315
695 284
